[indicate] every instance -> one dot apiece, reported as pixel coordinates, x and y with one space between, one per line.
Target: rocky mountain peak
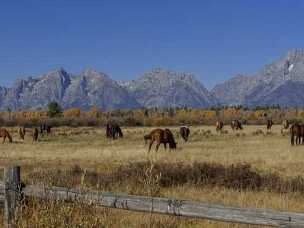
60 72
165 88
161 72
295 55
272 85
88 89
93 73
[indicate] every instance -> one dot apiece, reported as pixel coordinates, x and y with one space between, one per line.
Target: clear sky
212 39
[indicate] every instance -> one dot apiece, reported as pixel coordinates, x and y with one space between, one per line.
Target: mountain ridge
277 83
268 86
91 88
164 88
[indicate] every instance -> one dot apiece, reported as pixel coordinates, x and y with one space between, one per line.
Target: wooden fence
11 192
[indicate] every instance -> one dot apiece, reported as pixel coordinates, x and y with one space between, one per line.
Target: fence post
12 195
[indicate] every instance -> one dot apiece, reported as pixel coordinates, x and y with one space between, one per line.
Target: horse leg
297 140
150 145
157 146
4 139
292 139
165 146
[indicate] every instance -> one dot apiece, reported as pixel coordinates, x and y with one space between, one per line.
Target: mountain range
279 83
89 88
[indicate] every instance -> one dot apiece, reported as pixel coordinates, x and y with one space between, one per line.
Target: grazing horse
184 132
21 132
113 131
161 136
5 134
269 124
35 135
219 125
45 128
236 125
296 134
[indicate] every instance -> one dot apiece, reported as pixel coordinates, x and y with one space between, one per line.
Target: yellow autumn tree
72 113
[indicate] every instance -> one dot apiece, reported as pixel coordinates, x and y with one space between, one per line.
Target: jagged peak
57 71
166 73
295 52
90 72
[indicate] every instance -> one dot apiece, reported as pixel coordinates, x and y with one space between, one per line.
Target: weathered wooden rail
11 192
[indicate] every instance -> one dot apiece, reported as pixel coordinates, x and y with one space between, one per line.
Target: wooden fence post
12 195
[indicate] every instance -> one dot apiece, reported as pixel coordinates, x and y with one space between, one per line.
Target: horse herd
161 136
44 128
237 125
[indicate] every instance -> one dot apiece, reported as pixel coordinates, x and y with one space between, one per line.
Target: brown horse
236 125
161 136
113 131
35 135
269 124
297 134
21 132
184 132
5 134
219 125
45 128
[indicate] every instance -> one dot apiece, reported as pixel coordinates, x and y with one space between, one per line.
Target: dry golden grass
89 149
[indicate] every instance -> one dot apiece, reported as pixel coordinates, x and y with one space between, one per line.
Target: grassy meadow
83 157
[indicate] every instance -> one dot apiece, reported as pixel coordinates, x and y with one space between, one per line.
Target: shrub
54 110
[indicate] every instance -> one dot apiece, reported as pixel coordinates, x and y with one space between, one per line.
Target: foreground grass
88 149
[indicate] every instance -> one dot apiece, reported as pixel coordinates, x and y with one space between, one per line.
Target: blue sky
212 39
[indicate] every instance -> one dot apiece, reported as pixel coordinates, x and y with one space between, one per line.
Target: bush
54 110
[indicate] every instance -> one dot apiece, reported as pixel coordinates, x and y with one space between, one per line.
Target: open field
83 157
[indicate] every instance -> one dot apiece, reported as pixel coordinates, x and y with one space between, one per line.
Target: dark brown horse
45 128
113 131
21 132
219 125
161 136
296 134
35 135
184 132
236 125
5 134
269 124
